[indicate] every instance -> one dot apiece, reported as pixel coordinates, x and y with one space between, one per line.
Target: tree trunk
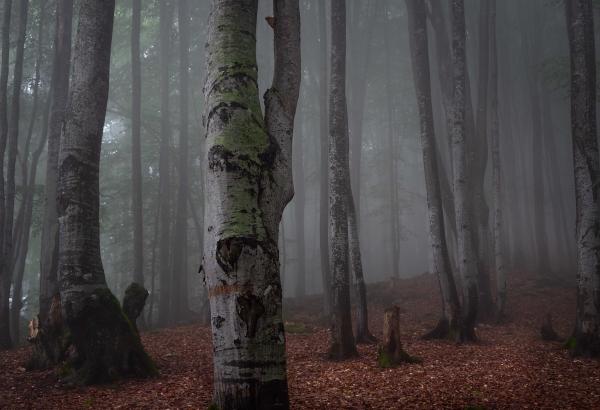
249 183
23 224
449 325
496 170
342 339
51 332
137 206
164 166
479 149
13 139
299 204
363 335
4 266
391 353
106 344
179 295
324 165
466 257
586 336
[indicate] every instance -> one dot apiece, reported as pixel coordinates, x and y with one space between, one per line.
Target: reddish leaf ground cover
509 368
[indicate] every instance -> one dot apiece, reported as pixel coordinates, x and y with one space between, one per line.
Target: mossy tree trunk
391 353
342 339
107 346
449 325
586 337
249 183
466 258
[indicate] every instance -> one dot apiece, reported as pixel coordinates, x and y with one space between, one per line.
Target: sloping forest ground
511 367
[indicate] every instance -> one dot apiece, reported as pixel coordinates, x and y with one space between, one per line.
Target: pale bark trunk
4 266
179 295
164 165
342 340
324 166
586 337
249 183
449 325
496 170
136 150
466 257
106 344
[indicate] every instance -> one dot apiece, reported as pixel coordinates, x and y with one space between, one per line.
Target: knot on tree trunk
391 353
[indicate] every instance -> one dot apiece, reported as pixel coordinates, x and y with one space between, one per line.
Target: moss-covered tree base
386 359
107 346
584 344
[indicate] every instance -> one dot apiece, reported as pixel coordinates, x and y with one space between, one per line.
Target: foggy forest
299 204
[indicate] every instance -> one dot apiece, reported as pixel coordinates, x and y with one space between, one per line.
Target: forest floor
510 367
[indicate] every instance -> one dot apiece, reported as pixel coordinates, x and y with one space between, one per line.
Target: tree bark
391 353
586 336
249 183
137 206
466 257
179 296
496 170
4 266
342 340
324 165
164 169
106 344
449 325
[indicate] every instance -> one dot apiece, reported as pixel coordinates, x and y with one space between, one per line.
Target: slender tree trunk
479 148
299 204
496 170
4 266
23 225
342 339
324 188
107 346
164 166
13 139
137 206
466 257
449 325
179 296
393 177
249 183
586 336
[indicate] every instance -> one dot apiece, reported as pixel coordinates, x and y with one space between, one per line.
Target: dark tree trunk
586 336
51 331
450 324
342 339
4 266
179 295
164 166
466 257
107 346
137 206
324 166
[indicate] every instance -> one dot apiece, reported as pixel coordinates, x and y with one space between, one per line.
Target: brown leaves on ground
511 367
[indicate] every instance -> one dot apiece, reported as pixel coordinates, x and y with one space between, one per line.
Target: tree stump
134 301
391 353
